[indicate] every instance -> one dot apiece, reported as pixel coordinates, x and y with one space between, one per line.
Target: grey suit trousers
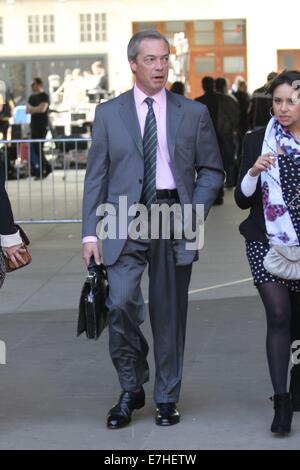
168 302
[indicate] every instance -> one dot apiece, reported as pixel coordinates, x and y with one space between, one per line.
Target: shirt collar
140 96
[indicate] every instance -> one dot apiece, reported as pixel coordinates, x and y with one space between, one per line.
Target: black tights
283 327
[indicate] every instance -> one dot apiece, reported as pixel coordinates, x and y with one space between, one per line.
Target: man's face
151 66
34 87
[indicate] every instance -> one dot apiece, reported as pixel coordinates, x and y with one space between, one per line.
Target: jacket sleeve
96 178
7 226
248 160
209 167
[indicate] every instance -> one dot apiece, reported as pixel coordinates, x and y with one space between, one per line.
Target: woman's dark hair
287 76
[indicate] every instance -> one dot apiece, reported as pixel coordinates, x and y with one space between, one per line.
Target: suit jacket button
140 180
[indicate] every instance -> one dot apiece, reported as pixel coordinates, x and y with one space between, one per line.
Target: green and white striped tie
150 149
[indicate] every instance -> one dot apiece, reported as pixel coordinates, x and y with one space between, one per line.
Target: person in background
38 107
98 82
269 186
178 88
6 109
235 86
260 105
227 126
210 98
243 98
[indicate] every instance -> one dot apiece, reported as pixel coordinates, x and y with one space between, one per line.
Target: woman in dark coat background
269 183
10 241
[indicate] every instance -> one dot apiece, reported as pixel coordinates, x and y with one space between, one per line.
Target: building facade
47 37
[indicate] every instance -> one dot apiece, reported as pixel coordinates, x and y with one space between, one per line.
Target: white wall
270 26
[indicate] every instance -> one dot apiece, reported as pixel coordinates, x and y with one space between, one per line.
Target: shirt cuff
248 185
89 239
11 240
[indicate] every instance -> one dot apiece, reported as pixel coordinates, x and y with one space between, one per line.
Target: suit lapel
174 118
130 119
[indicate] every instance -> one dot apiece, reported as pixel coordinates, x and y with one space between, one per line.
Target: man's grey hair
134 43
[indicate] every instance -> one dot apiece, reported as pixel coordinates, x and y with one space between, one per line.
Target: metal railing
45 186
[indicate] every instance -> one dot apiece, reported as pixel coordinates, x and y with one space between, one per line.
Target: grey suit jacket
115 162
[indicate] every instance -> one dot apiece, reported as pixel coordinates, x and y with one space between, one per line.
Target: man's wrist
89 239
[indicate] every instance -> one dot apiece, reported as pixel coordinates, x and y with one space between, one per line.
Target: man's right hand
90 249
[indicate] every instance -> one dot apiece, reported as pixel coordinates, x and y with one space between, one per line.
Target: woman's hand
14 253
263 163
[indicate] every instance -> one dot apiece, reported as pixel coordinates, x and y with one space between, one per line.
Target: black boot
295 387
283 414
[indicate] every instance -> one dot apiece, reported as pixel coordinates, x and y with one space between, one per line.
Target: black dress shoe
167 414
120 415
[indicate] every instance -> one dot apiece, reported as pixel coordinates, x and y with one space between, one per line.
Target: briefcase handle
95 269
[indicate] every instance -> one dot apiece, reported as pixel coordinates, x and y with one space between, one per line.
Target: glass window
41 29
205 37
85 24
148 25
233 37
204 32
205 64
234 31
34 29
288 62
229 25
100 27
174 27
19 72
234 64
48 28
204 25
92 27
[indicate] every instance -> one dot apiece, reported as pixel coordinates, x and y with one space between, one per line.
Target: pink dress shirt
164 177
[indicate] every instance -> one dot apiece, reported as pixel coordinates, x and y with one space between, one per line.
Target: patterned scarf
286 141
279 225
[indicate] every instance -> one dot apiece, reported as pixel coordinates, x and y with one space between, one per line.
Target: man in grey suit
154 147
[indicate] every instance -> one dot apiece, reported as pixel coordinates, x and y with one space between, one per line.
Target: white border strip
217 286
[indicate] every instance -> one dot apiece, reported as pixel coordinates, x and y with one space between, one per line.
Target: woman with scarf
269 186
11 244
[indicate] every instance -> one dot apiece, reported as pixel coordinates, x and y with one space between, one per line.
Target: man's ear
132 64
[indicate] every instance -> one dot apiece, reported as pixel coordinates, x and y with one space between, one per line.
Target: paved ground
55 389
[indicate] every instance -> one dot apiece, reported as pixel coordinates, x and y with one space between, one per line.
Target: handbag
283 261
9 266
92 316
